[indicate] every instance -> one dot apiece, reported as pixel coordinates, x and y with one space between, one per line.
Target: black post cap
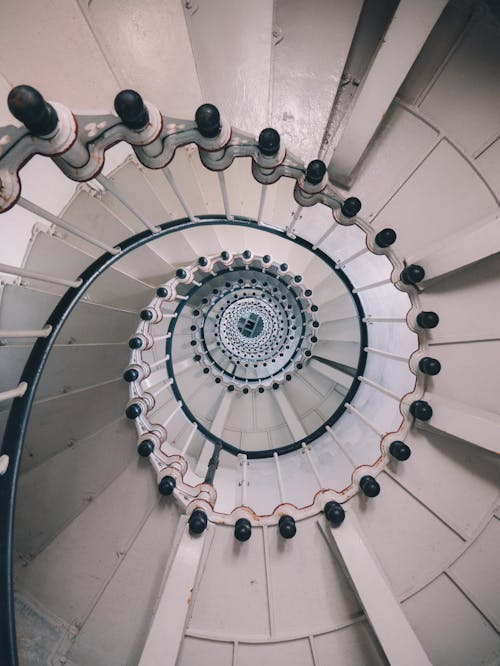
269 142
167 485
427 319
287 527
135 343
145 448
198 521
283 267
246 254
203 261
243 529
421 410
266 259
181 273
334 513
369 486
412 274
224 255
133 411
351 207
131 375
207 119
130 106
400 450
147 315
28 105
429 366
315 172
385 237
162 292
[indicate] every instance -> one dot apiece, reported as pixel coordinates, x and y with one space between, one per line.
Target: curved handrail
17 423
293 446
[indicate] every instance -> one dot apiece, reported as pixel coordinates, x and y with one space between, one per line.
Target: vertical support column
382 609
169 622
217 428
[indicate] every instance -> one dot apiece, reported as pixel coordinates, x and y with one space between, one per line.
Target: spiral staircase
249 354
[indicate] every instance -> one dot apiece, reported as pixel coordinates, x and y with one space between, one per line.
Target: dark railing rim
17 423
333 418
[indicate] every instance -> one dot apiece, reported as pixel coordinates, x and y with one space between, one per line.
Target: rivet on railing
146 315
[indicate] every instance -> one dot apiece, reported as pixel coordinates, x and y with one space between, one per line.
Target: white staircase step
45 508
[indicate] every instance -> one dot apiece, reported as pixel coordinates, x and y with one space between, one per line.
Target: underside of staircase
249 342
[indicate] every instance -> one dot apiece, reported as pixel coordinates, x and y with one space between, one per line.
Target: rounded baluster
287 527
400 450
429 365
167 486
133 411
369 486
412 274
131 109
243 529
207 119
28 105
198 521
145 448
427 319
269 142
131 375
385 238
421 410
351 207
334 513
315 172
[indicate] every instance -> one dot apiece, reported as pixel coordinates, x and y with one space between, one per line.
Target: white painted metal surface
382 609
471 424
461 250
169 621
403 40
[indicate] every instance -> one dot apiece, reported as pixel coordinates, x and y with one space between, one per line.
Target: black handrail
354 372
17 423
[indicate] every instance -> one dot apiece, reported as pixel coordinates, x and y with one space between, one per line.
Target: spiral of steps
267 424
